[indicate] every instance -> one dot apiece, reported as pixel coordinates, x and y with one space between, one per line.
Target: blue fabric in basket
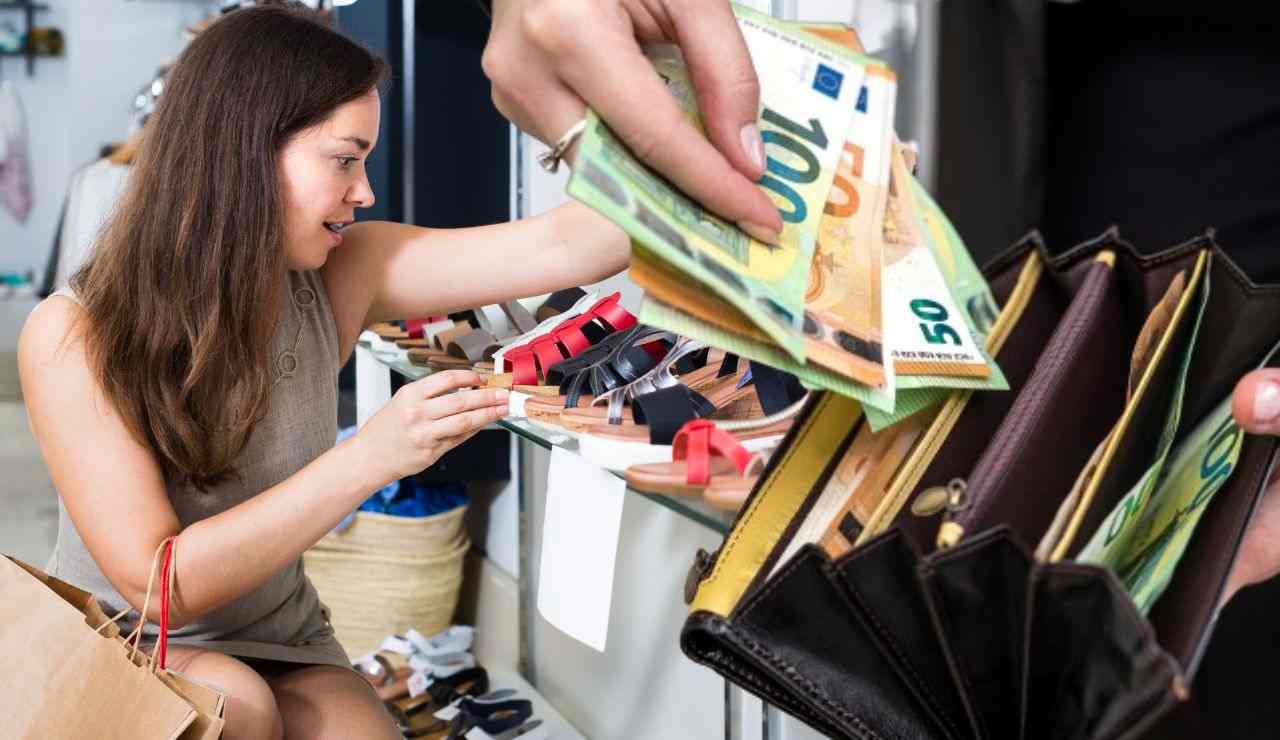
407 497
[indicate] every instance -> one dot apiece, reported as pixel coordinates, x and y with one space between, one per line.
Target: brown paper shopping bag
208 701
72 676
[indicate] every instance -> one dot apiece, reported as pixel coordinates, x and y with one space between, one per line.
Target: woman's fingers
1256 407
1256 402
615 79
550 59
529 94
468 422
463 401
438 384
449 443
725 80
1259 555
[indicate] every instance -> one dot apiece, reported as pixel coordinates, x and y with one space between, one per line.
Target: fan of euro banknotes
869 293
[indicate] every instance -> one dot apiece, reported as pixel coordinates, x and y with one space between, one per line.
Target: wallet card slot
1070 401
1238 328
1240 321
820 647
718 643
1094 667
880 580
1184 614
977 596
1142 425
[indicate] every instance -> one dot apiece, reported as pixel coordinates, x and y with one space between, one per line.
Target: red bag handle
166 581
165 554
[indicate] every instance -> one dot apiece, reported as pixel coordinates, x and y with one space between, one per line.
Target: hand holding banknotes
1256 405
550 59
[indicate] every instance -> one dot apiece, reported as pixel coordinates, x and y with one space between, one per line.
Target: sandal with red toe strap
702 454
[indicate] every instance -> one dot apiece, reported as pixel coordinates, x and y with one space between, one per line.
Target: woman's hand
550 59
1256 405
425 419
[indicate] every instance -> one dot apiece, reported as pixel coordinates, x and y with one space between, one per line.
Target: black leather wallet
974 620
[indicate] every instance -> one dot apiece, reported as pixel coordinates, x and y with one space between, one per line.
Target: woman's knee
329 702
251 712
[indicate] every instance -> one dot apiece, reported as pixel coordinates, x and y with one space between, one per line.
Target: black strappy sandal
469 682
494 718
664 411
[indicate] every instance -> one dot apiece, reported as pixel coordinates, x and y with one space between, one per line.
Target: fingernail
759 233
753 146
1266 403
500 394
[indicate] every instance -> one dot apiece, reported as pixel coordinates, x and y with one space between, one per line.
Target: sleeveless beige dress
283 619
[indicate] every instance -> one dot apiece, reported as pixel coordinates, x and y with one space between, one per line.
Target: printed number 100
780 174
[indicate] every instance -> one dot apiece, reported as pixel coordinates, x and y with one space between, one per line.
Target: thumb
1256 402
725 80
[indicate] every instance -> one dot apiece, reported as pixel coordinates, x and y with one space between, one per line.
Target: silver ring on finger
550 159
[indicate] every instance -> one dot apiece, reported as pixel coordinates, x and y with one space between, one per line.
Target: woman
185 385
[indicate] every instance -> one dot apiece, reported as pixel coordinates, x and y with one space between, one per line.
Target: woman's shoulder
52 335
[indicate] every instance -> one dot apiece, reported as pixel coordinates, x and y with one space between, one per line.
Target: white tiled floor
28 502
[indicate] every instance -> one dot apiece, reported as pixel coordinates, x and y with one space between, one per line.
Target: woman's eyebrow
360 143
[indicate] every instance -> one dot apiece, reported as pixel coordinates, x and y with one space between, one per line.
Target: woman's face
323 178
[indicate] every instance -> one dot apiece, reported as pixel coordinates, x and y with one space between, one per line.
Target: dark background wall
376 24
461 143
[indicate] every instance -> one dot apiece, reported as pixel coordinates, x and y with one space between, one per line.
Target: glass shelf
547 437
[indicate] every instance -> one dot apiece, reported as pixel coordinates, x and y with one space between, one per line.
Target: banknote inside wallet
1122 456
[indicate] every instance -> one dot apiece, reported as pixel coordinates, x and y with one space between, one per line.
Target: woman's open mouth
335 228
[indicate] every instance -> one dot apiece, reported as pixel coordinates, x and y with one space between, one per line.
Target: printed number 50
936 332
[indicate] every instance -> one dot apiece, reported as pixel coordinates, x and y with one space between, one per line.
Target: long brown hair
182 294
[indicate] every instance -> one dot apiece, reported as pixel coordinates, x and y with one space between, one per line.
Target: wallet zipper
950 531
703 562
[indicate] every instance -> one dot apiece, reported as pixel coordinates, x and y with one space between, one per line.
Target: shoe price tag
580 531
419 682
515 404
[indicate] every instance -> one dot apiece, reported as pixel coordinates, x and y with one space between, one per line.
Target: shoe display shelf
547 437
737 715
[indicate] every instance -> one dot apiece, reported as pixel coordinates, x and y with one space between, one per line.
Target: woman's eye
346 162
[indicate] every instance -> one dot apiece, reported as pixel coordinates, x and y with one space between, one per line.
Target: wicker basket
410 536
385 574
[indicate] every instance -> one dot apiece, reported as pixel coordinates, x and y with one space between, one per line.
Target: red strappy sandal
529 363
701 452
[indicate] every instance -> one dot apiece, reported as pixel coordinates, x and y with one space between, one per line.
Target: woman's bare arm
392 271
113 489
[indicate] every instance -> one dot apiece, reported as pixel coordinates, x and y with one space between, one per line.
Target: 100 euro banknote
808 89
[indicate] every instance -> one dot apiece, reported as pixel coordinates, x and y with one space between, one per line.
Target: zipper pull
957 501
703 562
